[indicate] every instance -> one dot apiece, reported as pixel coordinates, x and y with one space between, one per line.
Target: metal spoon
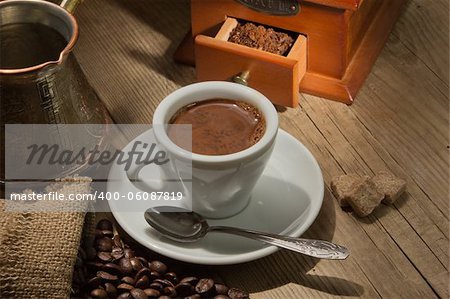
182 226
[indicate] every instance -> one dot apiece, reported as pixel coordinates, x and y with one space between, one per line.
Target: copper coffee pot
51 91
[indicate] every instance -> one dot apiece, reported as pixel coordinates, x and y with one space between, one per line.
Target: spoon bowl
176 224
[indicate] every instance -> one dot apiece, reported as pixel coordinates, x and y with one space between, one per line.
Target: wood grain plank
347 159
403 108
415 203
393 223
423 28
125 49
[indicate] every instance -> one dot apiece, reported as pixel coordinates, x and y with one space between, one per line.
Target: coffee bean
94 282
138 294
99 233
125 295
158 266
117 241
106 276
129 253
143 282
110 289
112 268
143 261
74 289
79 276
79 262
164 282
152 293
94 266
184 289
88 241
85 272
205 286
169 291
76 277
117 253
136 264
104 224
99 294
104 256
221 297
144 271
154 275
191 280
124 287
221 289
195 296
104 244
91 253
82 253
157 286
129 280
125 265
172 277
237 294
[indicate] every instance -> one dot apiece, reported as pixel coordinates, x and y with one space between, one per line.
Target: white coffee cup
221 184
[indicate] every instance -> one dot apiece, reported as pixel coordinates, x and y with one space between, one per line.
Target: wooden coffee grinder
337 42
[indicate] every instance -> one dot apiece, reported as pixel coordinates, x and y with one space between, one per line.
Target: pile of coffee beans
111 269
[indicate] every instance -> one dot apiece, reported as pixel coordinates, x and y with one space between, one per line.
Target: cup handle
145 185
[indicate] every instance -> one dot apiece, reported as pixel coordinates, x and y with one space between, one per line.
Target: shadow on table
170 19
164 65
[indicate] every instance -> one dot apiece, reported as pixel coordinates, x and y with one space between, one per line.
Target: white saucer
286 200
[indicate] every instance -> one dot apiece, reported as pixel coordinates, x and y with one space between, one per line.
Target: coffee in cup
219 126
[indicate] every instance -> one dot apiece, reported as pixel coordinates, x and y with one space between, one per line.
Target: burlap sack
38 249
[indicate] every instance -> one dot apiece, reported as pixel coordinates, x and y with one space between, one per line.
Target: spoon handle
315 248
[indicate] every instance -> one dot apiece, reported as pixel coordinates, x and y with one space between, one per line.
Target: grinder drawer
277 77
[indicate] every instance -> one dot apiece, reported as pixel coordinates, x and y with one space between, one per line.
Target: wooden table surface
399 122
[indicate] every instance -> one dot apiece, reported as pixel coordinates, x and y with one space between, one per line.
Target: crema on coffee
219 126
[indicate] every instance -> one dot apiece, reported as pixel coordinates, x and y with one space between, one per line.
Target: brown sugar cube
365 198
343 185
391 186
